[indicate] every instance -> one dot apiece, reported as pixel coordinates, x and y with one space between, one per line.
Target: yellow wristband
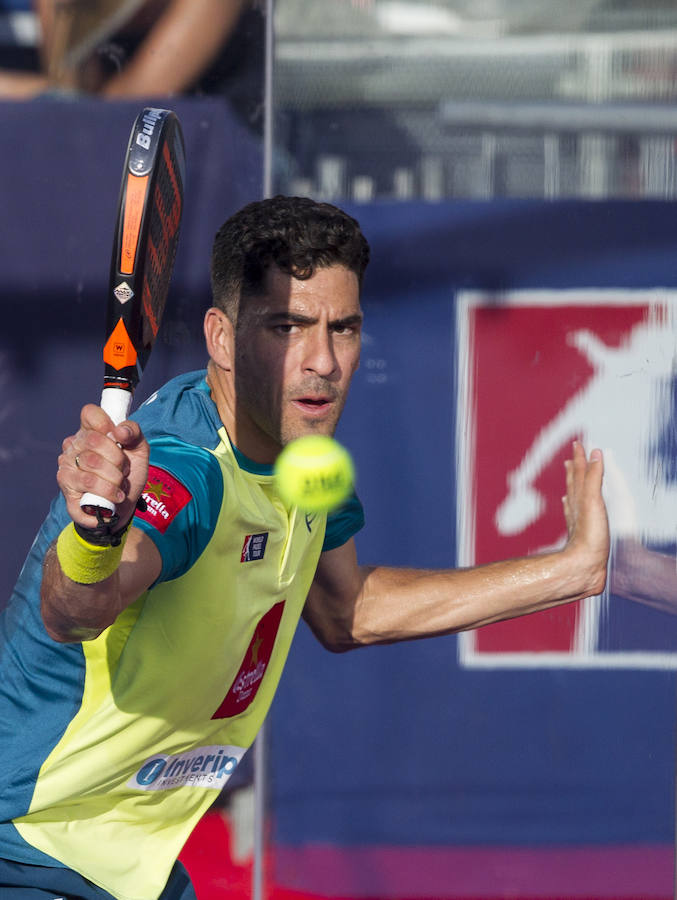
83 562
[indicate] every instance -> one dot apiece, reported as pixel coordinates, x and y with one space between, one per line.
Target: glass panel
519 296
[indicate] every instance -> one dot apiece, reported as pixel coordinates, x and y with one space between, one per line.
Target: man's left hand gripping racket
144 247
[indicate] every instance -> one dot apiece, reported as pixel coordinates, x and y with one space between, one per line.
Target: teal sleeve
189 529
343 523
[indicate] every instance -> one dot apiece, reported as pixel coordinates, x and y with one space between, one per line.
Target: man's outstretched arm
351 606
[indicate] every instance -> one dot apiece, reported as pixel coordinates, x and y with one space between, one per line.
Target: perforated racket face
164 219
149 217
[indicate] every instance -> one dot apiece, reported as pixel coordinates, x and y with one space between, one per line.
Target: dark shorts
24 882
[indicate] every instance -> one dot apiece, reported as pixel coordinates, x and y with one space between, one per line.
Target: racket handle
115 402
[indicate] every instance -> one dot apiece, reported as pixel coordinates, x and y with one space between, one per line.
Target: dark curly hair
296 234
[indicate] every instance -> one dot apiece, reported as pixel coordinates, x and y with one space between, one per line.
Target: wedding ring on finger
77 461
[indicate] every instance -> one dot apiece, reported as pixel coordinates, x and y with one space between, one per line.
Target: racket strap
107 532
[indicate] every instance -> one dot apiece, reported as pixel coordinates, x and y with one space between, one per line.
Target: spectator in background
19 53
143 48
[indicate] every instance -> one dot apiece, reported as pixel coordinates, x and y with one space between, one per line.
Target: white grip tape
115 402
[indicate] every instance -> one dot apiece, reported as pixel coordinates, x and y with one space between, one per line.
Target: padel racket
144 247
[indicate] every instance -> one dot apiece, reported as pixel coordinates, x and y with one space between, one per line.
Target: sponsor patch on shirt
165 497
206 767
254 547
250 675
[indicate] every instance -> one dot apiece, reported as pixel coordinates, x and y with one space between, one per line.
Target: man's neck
246 438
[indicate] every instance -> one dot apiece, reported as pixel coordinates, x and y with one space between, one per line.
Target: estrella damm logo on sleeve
165 497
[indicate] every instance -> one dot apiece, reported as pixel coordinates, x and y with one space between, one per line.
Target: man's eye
287 328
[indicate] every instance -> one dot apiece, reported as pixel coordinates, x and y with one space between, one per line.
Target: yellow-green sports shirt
112 749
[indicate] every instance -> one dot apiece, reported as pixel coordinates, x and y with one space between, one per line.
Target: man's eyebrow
286 316
347 321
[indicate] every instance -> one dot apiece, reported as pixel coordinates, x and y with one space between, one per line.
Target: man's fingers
583 478
595 470
112 465
581 469
88 472
96 460
578 457
108 442
93 418
128 434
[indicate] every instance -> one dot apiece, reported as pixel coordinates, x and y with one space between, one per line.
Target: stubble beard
297 426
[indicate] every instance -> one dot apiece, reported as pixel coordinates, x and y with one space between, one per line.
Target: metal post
258 874
268 100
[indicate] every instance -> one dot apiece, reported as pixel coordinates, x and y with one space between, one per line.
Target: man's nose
320 357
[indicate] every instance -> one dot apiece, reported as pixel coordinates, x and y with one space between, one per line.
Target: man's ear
220 338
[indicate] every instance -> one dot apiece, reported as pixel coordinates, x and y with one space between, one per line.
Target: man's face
297 348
